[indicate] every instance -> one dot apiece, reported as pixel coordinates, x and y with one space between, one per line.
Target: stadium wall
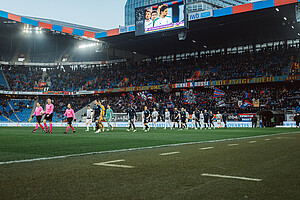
139 124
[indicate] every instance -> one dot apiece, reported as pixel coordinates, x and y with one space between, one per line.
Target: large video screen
160 17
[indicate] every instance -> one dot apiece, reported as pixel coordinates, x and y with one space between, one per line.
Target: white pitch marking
206 148
108 164
232 177
267 139
252 142
170 153
231 145
138 148
279 137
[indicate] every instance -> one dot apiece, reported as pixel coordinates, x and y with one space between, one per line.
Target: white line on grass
140 148
206 148
231 145
252 142
109 164
170 153
232 177
279 137
267 139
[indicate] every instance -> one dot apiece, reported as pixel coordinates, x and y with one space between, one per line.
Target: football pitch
236 163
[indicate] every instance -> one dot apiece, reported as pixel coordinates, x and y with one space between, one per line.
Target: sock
68 128
147 127
51 127
178 126
36 127
129 126
133 126
42 127
72 128
88 128
46 127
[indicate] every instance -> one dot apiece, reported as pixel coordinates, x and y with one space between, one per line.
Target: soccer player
201 120
183 118
211 120
96 115
38 113
197 118
153 15
70 117
163 18
89 118
147 116
206 117
225 117
109 116
187 118
219 118
48 115
154 117
167 119
148 20
102 113
194 119
131 117
176 115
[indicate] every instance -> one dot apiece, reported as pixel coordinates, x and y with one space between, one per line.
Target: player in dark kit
225 118
176 118
131 117
206 117
96 115
211 120
197 115
147 116
183 119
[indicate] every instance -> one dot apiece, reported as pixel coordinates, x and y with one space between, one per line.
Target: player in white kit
89 118
168 119
154 117
219 119
201 120
194 120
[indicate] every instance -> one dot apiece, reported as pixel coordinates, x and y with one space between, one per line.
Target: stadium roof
245 28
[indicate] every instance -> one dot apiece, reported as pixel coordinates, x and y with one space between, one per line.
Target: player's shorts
155 119
48 117
69 120
89 121
145 121
183 120
39 119
96 117
176 120
167 119
206 121
218 120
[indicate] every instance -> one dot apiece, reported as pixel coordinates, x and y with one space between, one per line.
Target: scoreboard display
160 17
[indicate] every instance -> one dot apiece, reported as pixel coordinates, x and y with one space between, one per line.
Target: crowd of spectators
213 66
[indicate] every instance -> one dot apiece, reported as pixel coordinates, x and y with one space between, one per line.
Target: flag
142 96
123 82
284 90
131 96
246 104
221 103
150 97
264 91
218 93
247 95
191 98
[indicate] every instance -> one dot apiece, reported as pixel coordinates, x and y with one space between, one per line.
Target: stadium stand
214 66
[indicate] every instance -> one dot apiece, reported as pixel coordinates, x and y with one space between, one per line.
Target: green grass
20 143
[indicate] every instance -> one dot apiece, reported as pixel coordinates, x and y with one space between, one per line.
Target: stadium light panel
277 9
293 27
285 18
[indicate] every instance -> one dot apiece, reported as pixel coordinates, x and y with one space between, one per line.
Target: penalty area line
170 153
139 148
232 177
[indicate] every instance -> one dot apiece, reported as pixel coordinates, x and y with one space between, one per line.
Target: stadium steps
5 119
14 113
3 80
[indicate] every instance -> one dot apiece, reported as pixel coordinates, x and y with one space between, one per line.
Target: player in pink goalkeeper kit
70 116
38 113
49 115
